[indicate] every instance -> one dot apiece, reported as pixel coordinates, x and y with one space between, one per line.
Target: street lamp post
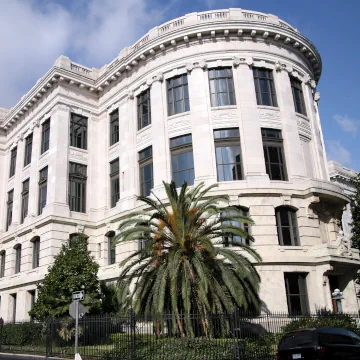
337 296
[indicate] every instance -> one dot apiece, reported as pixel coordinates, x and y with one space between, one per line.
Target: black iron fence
161 337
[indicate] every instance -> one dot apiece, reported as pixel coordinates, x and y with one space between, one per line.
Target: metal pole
76 326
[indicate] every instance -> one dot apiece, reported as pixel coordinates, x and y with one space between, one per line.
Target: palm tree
179 268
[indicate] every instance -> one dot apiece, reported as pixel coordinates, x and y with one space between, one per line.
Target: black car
325 343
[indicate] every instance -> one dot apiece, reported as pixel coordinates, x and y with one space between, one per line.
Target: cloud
347 124
336 152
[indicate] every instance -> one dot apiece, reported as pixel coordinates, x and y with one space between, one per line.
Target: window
28 149
296 293
24 199
36 252
182 160
231 239
77 187
274 154
221 87
2 263
264 87
287 228
42 189
178 95
45 136
78 131
111 248
228 158
17 248
298 96
13 162
114 182
144 109
114 127
142 244
9 211
14 298
32 294
146 171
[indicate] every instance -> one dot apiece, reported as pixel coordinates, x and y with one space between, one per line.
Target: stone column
3 179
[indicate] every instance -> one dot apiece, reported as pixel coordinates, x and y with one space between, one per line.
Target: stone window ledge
147 127
265 107
296 248
223 107
44 154
78 149
179 115
26 167
302 116
113 146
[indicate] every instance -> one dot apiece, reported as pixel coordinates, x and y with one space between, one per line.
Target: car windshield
298 339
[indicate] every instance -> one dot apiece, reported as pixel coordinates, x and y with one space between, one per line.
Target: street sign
78 295
72 309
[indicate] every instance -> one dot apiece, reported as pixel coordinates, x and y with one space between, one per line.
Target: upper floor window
42 188
24 199
296 293
13 162
78 131
232 239
114 127
9 209
17 248
77 187
178 95
114 182
298 96
274 154
28 149
2 263
264 87
287 227
144 109
111 247
146 171
228 154
36 252
182 161
45 136
221 87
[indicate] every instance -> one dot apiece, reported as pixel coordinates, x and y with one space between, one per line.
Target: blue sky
33 33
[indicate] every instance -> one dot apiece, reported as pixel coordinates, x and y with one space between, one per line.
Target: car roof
327 329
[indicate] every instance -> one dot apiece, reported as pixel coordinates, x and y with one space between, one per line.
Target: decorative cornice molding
156 77
197 64
242 61
113 107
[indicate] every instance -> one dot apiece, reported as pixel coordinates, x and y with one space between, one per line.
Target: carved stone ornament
80 228
344 245
282 66
296 75
157 77
112 107
79 111
34 123
317 96
242 60
199 64
130 95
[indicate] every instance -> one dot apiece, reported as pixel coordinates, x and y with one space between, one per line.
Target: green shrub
23 334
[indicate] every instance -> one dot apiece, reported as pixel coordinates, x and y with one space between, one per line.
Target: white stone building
78 148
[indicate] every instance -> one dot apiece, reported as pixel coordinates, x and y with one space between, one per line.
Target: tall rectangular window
36 252
77 187
32 294
2 263
182 161
13 162
112 251
264 87
114 182
42 189
28 149
14 300
24 199
17 248
296 293
144 109
228 154
178 95
274 154
221 87
45 136
9 209
78 131
232 239
146 171
114 127
286 223
298 96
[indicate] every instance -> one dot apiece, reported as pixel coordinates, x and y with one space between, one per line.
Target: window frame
142 99
216 80
296 87
114 178
13 156
293 225
229 239
2 263
9 208
25 199
28 149
17 248
143 162
111 249
185 100
14 297
82 122
270 84
45 133
114 127
36 252
303 293
42 184
76 177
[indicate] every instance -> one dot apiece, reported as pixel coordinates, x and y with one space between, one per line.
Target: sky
34 33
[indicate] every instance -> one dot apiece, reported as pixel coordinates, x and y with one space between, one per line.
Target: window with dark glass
13 162
221 87
28 149
36 252
298 96
287 227
178 95
17 248
264 87
274 154
232 239
32 294
114 127
14 301
296 293
144 109
45 136
182 161
2 263
9 209
42 189
112 250
114 182
146 171
24 199
77 187
78 131
228 154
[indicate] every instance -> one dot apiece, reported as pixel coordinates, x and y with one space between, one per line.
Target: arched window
36 251
235 239
2 263
17 248
111 247
286 222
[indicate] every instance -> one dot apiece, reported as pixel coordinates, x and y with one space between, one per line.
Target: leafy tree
180 269
355 210
73 269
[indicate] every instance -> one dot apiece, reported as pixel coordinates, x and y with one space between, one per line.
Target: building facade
225 97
